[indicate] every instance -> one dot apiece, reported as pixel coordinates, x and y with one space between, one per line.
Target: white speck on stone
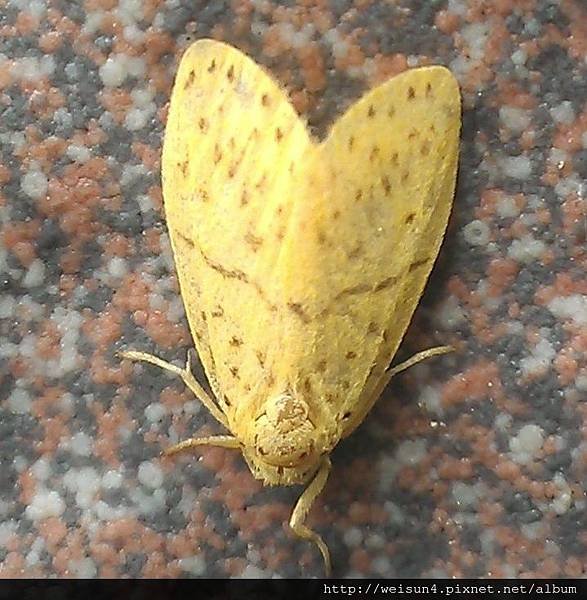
136 119
540 359
145 203
519 57
515 119
253 572
476 233
149 504
527 249
533 531
62 117
84 568
78 154
68 323
130 11
136 66
564 498
466 496
503 421
34 184
45 503
570 308
411 452
517 167
112 480
193 407
431 399
133 35
81 444
93 21
41 469
142 98
35 274
155 412
150 475
532 27
558 157
506 207
487 540
353 537
105 512
475 35
85 483
7 530
581 383
572 184
195 565
396 514
7 307
382 566
563 112
19 401
526 445
117 267
132 173
374 541
115 70
552 548
457 7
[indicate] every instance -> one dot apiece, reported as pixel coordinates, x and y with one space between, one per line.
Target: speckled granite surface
473 464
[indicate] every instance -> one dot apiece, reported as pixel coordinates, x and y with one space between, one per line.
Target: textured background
472 464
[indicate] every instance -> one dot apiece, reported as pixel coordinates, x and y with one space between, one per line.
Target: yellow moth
300 262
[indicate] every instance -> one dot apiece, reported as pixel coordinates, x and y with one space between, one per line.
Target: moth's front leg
186 376
302 507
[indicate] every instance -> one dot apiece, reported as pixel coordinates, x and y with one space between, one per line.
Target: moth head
284 434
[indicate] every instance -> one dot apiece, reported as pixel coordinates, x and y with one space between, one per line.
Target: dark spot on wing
417 264
230 73
190 80
371 111
235 341
386 185
253 241
217 154
410 218
212 66
298 309
411 93
386 283
217 312
350 355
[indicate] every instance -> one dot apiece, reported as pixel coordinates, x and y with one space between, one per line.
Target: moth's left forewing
367 236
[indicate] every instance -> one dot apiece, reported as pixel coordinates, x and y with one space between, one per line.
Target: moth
300 261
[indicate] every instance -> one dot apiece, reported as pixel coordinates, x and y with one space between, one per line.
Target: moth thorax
284 434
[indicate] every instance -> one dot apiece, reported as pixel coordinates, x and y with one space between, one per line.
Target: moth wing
224 184
362 245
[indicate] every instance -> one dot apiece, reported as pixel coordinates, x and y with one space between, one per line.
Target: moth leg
186 376
223 441
302 507
413 360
